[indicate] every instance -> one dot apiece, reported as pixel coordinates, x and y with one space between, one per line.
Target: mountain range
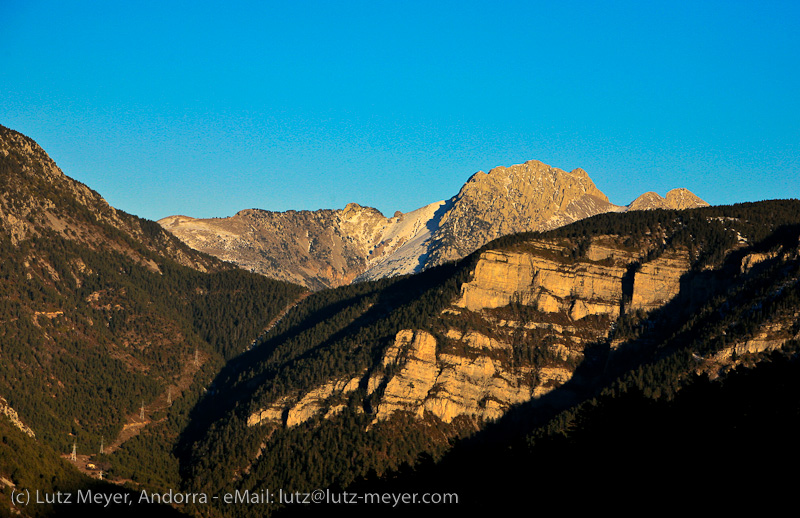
329 248
640 359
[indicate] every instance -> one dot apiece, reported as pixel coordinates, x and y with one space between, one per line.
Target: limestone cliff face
771 336
658 281
328 248
535 296
415 354
753 259
772 333
449 385
474 371
416 377
579 288
293 410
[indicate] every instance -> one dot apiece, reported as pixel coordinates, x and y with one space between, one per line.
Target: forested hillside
109 326
648 366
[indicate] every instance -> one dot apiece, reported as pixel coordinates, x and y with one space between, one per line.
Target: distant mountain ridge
328 248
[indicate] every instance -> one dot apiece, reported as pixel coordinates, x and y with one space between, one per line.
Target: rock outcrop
657 282
294 410
578 288
12 416
416 378
772 336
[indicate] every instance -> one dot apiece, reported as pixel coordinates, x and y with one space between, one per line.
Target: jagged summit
354 210
678 199
532 178
328 248
530 323
518 198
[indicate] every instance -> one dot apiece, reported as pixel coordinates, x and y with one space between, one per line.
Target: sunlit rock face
580 288
520 327
317 249
506 200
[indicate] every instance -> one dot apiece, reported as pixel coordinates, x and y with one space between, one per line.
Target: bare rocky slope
329 248
318 249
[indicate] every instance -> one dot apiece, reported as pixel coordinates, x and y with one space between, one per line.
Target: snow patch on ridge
404 243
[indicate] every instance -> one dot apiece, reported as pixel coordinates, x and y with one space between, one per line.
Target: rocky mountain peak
684 199
677 199
647 201
327 248
352 210
518 198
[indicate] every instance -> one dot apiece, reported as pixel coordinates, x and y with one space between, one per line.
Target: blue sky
207 108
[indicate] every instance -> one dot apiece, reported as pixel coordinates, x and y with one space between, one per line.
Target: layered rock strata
658 281
536 299
579 288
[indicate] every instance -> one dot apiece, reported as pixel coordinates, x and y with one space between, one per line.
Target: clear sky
206 108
